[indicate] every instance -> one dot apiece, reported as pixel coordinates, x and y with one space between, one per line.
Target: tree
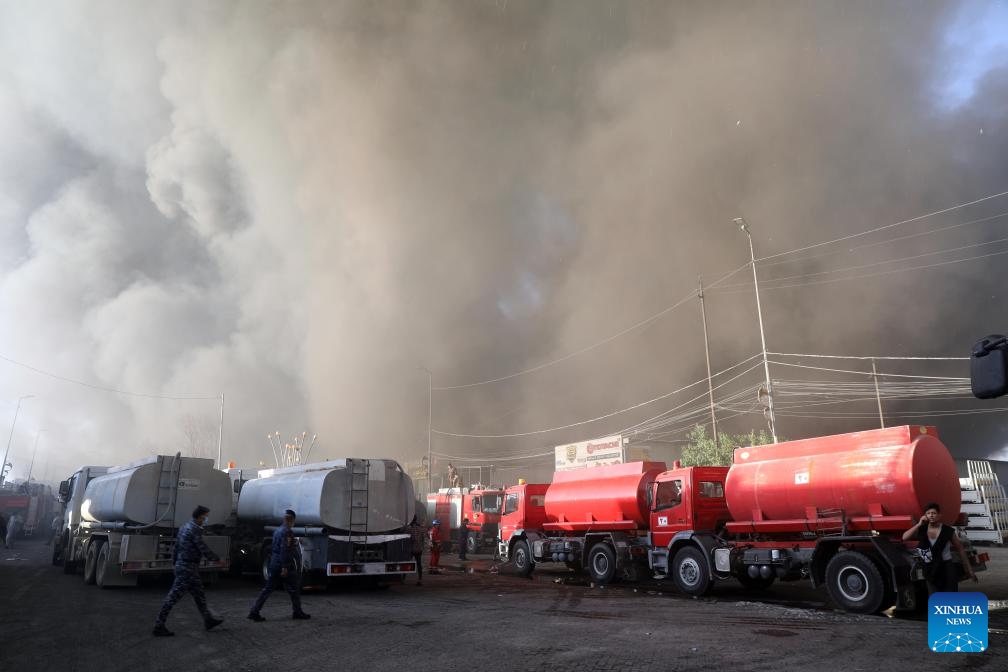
200 437
702 451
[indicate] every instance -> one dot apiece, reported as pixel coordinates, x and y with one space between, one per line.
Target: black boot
300 616
210 622
162 631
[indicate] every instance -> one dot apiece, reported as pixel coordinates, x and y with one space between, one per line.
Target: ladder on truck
359 474
984 503
164 509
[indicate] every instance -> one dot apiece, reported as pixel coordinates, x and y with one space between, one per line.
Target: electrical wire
868 373
585 422
886 242
652 318
493 459
864 266
866 358
106 389
882 228
870 275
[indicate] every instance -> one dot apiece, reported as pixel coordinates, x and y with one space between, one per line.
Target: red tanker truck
480 504
831 509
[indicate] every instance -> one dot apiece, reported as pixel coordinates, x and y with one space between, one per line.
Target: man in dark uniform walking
284 564
189 549
463 538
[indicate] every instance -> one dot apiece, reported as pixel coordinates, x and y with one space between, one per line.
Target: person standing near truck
934 542
189 550
12 529
418 537
435 551
284 565
54 528
463 538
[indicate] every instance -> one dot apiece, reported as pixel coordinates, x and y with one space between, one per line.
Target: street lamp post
744 227
430 410
11 437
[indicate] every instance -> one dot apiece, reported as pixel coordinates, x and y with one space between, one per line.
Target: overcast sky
302 205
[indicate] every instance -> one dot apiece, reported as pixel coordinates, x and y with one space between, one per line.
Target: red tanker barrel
899 469
614 496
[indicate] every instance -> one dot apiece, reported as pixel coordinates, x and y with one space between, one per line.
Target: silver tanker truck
351 518
120 522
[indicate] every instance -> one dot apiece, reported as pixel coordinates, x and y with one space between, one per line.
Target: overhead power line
883 228
634 327
872 275
884 262
869 373
591 420
107 389
867 358
886 241
497 458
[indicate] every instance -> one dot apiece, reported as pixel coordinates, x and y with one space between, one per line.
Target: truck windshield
491 503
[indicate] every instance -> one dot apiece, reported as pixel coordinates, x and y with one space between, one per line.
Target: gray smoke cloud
300 205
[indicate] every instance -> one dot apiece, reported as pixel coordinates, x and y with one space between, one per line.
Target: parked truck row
829 509
121 522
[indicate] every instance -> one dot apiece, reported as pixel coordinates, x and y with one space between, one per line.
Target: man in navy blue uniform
284 564
189 549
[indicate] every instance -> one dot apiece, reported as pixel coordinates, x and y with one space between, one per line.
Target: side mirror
989 367
237 487
64 491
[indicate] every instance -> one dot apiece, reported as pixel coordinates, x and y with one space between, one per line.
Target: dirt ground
474 615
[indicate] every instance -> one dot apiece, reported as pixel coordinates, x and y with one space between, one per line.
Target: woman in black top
936 542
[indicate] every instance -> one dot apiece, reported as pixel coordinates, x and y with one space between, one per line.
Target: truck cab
524 509
687 499
71 496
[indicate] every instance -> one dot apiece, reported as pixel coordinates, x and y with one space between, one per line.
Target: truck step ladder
984 503
359 475
167 488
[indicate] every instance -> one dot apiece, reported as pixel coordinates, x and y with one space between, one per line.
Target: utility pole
430 412
706 346
220 431
744 227
878 397
34 452
3 465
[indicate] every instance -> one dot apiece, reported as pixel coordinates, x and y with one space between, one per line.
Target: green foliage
702 451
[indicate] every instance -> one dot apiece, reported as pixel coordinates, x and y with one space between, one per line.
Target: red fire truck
480 504
831 509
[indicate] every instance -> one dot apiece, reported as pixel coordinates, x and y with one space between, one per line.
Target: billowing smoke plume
302 205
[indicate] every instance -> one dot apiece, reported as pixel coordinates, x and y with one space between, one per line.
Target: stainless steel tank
320 494
139 493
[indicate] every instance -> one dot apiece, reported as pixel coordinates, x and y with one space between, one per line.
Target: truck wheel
602 563
690 571
472 544
91 561
759 583
522 557
265 568
854 583
69 566
103 558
